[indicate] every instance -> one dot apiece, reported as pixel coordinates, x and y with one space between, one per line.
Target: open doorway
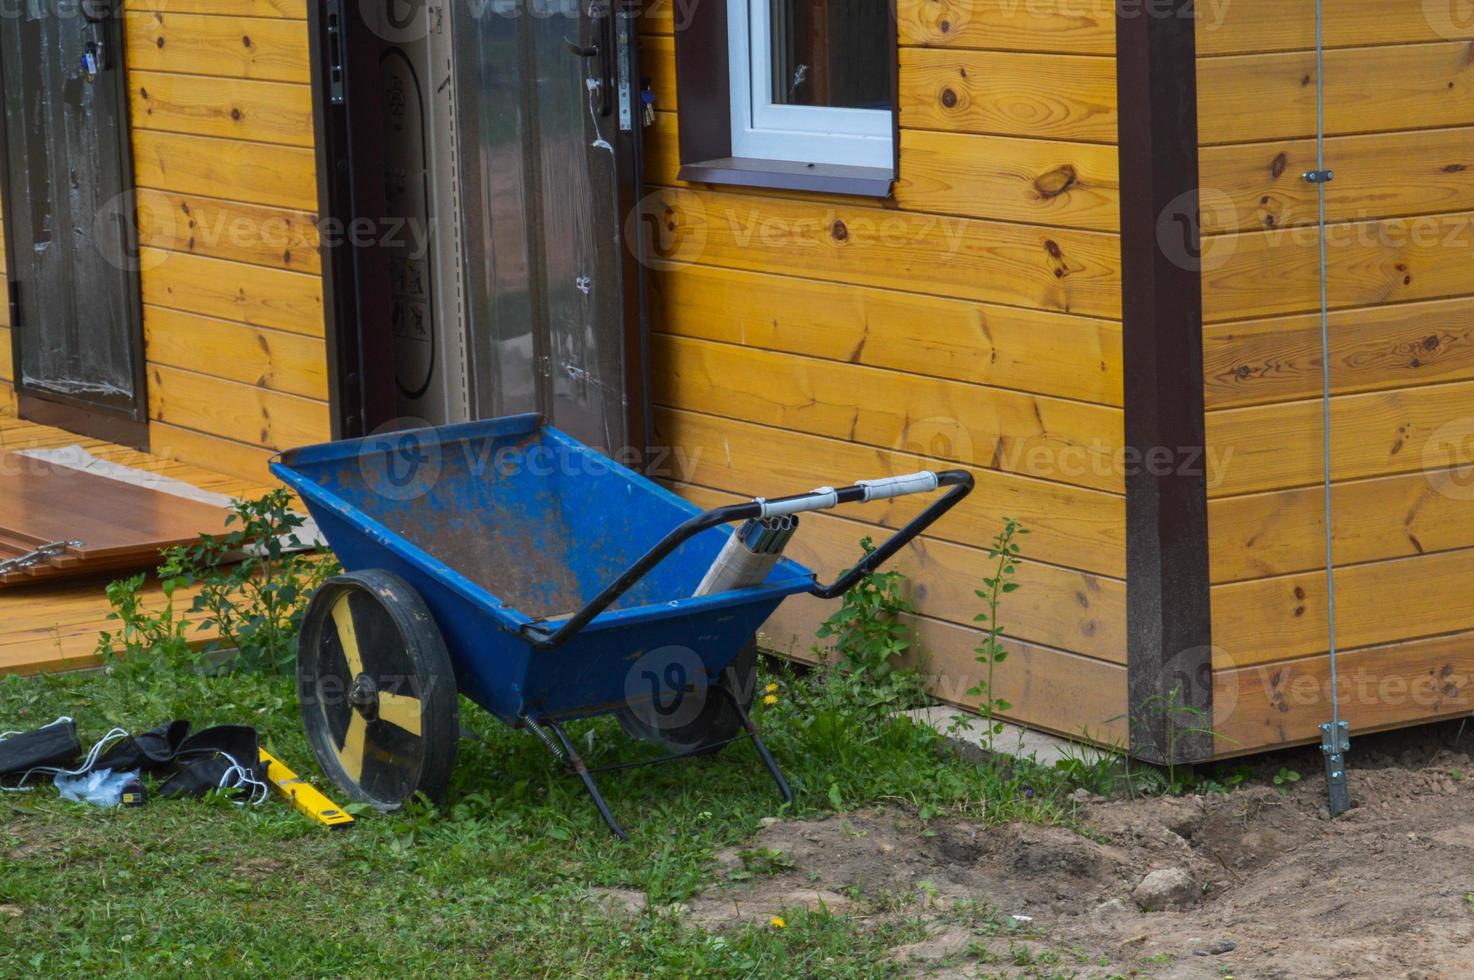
493 152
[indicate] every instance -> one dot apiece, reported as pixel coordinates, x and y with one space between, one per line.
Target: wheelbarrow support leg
758 743
576 762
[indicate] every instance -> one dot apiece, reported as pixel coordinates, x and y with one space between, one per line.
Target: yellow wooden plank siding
1009 94
1380 687
261 357
1059 26
7 374
238 458
1257 186
264 112
1271 619
1396 431
227 230
1370 263
285 9
250 294
1252 98
971 321
251 173
1400 118
1030 435
1068 185
246 414
990 261
1282 531
1278 359
231 272
1001 346
268 49
1248 26
658 17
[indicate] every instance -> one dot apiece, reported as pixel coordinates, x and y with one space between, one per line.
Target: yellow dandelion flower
772 688
770 700
777 922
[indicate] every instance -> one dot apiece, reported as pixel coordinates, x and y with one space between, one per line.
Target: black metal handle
603 51
607 55
961 482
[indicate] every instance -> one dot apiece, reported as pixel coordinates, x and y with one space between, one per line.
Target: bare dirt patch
1277 888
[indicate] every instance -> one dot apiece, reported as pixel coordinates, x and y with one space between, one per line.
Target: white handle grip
821 499
899 486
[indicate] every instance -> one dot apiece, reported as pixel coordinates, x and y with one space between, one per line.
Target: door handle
603 51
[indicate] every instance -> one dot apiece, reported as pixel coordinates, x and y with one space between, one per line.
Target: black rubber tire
717 722
362 727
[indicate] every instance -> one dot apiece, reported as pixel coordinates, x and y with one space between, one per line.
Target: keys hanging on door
95 61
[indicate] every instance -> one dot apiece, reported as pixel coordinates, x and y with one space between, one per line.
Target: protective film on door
73 259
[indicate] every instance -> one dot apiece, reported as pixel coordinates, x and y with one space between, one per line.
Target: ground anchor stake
1335 742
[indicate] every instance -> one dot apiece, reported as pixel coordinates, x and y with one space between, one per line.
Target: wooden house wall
1400 123
973 320
227 193
7 369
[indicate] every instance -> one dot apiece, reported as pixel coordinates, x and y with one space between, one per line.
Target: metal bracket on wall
1335 742
1319 176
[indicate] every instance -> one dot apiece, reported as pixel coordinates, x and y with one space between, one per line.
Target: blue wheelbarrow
506 561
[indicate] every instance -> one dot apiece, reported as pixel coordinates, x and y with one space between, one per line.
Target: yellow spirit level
302 794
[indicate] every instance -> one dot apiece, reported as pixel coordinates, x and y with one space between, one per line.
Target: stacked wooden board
56 626
87 524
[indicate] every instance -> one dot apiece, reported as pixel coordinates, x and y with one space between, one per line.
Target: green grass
497 882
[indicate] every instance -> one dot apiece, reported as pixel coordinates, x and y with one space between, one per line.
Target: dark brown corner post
1169 664
703 79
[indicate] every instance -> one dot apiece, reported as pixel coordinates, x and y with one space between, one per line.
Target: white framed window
811 81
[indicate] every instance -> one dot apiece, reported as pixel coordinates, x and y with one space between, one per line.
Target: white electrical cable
236 776
106 742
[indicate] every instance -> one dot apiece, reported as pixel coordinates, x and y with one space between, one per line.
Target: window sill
821 178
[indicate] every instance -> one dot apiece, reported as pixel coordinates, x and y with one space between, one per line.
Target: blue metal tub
504 523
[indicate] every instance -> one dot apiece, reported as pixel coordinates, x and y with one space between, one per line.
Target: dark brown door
69 219
512 136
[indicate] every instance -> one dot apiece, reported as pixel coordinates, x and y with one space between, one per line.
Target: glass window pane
831 53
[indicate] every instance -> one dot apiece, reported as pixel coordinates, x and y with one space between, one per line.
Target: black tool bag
205 758
54 746
150 751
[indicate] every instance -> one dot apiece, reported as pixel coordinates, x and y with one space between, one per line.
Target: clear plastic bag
101 788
